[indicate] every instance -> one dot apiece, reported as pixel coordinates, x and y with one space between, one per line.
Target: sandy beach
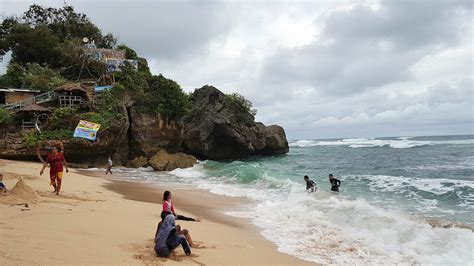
99 221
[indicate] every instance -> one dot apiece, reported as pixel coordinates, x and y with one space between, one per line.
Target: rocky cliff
215 130
219 131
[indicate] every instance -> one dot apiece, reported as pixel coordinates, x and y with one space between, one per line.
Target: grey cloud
362 48
166 30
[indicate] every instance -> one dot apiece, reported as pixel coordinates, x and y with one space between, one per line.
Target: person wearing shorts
56 161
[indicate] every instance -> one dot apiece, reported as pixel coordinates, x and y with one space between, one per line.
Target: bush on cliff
5 116
239 103
166 98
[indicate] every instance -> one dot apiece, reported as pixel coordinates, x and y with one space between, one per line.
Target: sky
320 69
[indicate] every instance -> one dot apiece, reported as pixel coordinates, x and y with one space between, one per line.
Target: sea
403 200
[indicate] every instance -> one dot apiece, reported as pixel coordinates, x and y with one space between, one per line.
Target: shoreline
97 220
195 202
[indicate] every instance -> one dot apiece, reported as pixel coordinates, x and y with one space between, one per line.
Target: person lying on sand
310 184
169 208
167 239
2 186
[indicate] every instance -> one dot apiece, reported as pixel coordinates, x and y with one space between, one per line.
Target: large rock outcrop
220 132
163 161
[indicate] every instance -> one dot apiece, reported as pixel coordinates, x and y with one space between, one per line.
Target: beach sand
99 221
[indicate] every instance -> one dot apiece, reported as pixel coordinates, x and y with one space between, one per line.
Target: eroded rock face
149 134
163 161
138 162
218 132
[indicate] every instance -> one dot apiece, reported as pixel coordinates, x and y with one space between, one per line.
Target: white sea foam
326 228
438 186
330 229
400 143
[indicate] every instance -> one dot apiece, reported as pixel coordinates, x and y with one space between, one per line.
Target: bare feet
198 219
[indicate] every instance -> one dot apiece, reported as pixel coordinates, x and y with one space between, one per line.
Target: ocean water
403 200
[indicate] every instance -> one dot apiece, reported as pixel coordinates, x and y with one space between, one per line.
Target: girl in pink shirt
169 208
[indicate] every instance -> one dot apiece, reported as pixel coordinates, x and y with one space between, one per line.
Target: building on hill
73 94
112 58
12 95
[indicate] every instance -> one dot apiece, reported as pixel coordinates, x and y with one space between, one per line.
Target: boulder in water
163 161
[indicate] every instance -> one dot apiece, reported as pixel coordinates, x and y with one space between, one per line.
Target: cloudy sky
320 69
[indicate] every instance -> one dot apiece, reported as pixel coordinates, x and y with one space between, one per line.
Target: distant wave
400 143
438 186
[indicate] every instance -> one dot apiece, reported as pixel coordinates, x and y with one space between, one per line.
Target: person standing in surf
310 184
56 161
335 183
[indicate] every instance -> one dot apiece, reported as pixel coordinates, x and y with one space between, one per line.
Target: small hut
73 94
31 116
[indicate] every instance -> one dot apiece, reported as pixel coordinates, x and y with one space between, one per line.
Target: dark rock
163 161
138 162
218 132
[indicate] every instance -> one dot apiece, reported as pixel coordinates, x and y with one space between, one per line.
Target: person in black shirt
310 184
335 183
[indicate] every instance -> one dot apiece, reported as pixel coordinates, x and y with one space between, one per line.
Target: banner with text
86 130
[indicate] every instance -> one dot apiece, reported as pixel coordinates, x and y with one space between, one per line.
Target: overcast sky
320 69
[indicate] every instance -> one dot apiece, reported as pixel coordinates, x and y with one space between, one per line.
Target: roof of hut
75 87
33 108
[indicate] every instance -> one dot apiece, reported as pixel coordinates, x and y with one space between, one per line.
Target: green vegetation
5 116
33 138
32 76
237 102
166 98
47 51
108 110
63 118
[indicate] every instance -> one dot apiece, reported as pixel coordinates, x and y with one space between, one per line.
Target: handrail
47 96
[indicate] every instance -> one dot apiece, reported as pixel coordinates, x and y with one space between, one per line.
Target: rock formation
218 132
163 161
215 130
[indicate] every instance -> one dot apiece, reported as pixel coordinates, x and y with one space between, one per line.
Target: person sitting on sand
168 239
169 208
310 184
335 183
56 161
179 231
109 166
2 186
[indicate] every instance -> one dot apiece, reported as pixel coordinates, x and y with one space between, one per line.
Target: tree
14 77
38 35
129 52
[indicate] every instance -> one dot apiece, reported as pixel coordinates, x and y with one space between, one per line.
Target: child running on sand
2 186
169 208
